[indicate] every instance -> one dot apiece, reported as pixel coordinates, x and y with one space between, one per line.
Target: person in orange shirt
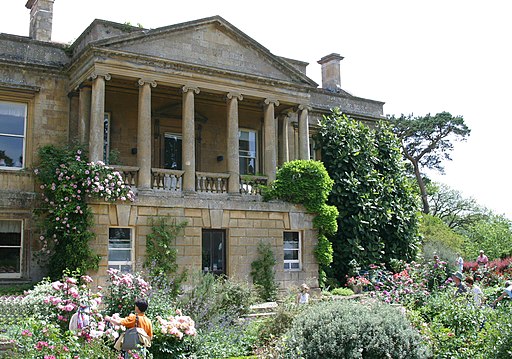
141 305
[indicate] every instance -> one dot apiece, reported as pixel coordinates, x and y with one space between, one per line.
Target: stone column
144 134
84 113
303 132
270 153
188 150
284 150
233 159
97 116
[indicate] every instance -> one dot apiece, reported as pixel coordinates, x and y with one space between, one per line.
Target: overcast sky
417 57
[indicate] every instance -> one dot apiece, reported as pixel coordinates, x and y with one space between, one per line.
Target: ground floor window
214 251
120 249
292 250
11 239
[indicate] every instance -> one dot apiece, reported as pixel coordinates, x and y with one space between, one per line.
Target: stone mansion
198 115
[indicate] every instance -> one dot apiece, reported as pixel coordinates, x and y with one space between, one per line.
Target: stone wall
246 224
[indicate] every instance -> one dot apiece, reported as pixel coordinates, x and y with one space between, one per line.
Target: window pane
247 166
291 245
172 151
119 255
294 265
11 151
10 233
291 236
119 243
291 255
10 260
12 118
119 233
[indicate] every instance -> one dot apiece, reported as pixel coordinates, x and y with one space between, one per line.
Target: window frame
22 232
256 150
24 150
119 264
289 262
177 136
107 123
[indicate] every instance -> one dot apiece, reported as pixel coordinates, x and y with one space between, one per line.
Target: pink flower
57 285
26 333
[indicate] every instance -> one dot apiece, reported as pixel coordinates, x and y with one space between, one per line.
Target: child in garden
138 319
303 295
507 293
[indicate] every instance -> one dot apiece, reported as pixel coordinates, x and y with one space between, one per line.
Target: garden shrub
346 329
122 291
274 326
211 299
342 291
263 273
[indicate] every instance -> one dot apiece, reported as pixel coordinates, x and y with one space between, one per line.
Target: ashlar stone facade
197 115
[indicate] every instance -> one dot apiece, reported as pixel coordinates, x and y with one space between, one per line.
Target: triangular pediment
209 43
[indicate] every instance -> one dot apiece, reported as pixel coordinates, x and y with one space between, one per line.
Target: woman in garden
482 259
138 319
460 263
303 295
458 278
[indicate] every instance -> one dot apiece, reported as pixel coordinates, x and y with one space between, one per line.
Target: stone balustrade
129 174
212 182
251 184
167 180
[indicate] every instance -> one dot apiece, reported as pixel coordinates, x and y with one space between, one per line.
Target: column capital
96 74
302 107
269 101
142 82
187 88
236 95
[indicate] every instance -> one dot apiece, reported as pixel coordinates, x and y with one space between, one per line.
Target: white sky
417 57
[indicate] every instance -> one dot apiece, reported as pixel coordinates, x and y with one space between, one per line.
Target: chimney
41 16
331 79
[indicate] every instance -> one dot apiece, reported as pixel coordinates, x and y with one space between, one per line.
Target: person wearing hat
458 279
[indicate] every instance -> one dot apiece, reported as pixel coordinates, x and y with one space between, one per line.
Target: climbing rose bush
68 180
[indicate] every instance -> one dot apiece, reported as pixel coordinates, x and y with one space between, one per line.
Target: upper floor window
292 251
247 145
13 117
172 151
120 250
106 138
10 248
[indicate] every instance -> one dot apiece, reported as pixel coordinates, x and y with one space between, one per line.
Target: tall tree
427 141
452 207
377 207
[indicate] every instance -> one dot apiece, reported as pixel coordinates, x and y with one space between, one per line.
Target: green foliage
342 291
375 200
122 291
345 329
309 184
275 326
493 235
161 254
263 273
323 251
439 239
226 341
67 181
15 289
455 210
212 300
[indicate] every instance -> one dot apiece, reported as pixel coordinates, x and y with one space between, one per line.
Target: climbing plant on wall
67 182
308 183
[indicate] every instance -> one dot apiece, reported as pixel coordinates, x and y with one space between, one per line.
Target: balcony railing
129 174
212 182
167 180
206 182
252 184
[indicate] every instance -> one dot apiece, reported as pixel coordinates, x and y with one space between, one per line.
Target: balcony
171 181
